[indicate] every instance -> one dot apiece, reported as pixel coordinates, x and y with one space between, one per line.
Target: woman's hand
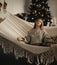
20 39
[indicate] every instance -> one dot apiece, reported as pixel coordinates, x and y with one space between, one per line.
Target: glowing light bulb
32 18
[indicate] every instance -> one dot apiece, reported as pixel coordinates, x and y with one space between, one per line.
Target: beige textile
13 27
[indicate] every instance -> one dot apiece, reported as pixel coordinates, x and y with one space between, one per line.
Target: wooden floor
9 59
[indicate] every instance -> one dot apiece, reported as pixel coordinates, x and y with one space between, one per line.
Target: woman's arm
26 39
47 37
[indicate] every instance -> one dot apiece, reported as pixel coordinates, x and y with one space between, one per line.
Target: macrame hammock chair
13 27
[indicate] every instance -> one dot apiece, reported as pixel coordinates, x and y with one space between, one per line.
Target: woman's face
38 23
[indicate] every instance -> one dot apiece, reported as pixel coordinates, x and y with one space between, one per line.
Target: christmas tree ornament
48 19
43 7
42 15
35 11
32 18
37 5
39 12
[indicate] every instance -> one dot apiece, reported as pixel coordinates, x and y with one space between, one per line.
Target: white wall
15 6
53 7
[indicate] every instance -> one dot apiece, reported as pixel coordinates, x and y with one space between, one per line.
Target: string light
39 12
48 19
35 11
32 18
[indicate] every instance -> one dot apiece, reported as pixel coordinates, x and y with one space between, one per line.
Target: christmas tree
39 9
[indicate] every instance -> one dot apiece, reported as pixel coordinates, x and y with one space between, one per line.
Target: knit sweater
37 36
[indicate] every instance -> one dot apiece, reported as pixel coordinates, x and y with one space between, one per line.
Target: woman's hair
41 26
